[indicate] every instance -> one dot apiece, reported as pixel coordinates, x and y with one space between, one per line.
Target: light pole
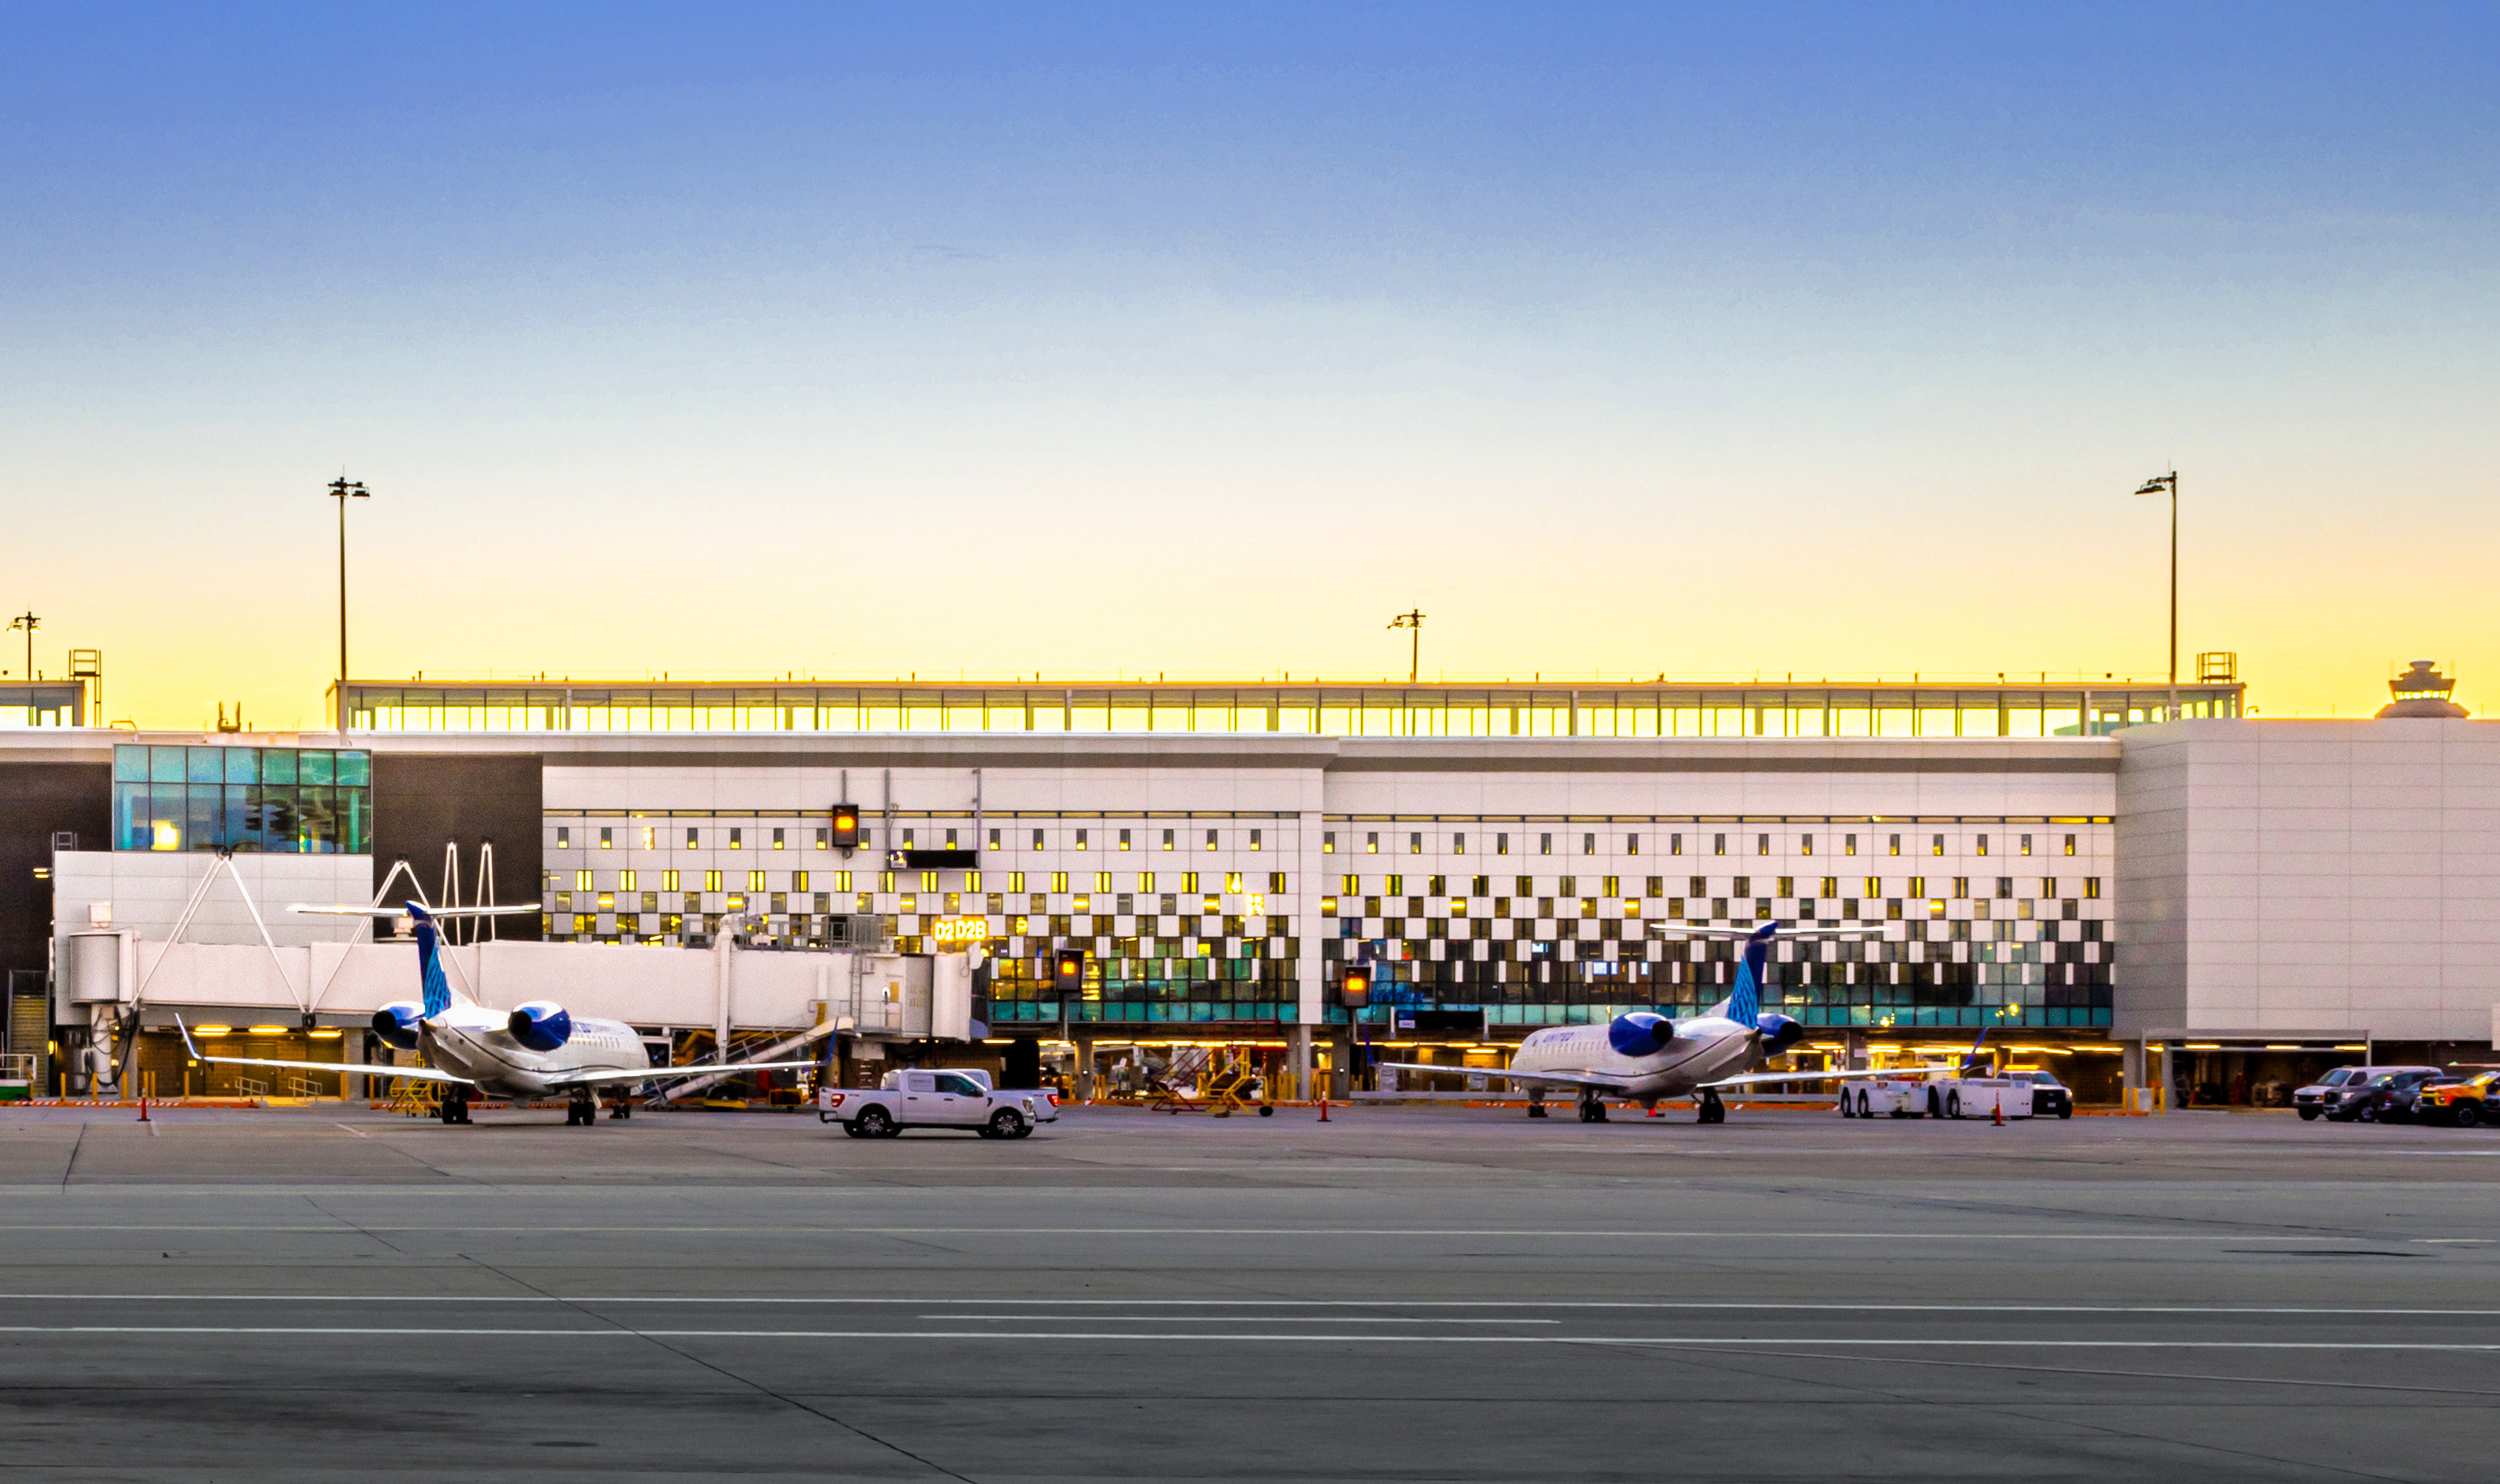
1412 619
2153 486
343 490
29 623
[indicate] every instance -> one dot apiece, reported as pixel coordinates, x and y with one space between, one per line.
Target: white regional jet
532 1051
1645 1056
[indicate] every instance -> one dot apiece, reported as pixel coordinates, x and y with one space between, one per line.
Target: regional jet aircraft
1646 1056
536 1051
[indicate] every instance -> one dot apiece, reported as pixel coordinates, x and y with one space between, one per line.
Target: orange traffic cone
1997 1113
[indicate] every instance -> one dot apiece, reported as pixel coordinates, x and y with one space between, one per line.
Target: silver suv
2330 1092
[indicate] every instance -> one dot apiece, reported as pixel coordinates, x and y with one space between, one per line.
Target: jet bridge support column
1297 1049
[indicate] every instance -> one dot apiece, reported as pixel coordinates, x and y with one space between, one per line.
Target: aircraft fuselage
1704 1050
473 1041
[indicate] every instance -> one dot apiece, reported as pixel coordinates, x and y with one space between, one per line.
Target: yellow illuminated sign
961 930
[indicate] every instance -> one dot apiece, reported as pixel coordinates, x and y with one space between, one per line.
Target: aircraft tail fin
1745 1006
429 962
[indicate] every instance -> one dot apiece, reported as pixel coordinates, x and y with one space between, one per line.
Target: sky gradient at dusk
739 339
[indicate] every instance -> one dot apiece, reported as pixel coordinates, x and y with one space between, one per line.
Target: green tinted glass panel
278 766
208 764
243 765
312 766
130 764
164 764
355 767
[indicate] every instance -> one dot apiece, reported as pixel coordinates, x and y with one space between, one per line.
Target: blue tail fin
429 963
1745 1006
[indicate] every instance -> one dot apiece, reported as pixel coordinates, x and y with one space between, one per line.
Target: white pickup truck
941 1098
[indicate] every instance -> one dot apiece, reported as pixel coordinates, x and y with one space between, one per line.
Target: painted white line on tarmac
1296 1319
611 1299
1712 1341
834 1230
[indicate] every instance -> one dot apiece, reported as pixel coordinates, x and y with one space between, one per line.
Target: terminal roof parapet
1593 708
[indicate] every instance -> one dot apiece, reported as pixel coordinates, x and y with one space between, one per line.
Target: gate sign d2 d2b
960 931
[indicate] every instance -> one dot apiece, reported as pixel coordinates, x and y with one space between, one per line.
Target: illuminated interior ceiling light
211 1029
269 1030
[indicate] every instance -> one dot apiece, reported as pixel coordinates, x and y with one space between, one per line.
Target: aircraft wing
1764 1078
1534 1078
670 1073
413 1073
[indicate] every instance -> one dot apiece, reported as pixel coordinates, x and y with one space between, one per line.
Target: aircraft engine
542 1025
396 1023
1640 1033
1779 1033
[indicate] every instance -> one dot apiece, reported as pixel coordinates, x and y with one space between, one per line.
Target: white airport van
1924 1096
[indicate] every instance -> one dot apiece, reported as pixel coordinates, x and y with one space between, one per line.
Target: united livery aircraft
536 1051
1645 1056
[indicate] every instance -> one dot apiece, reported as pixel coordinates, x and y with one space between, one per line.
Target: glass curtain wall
296 800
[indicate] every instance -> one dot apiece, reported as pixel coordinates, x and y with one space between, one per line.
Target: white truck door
920 1099
962 1100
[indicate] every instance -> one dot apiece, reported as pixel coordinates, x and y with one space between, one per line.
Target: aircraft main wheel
1536 1110
876 1122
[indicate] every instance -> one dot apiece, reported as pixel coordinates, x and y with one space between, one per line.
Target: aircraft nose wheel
1593 1111
1712 1110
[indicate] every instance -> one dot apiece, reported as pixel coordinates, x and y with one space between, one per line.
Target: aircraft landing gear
455 1104
623 1107
1712 1110
583 1110
1593 1110
1536 1104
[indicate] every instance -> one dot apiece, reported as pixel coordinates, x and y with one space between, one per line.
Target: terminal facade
2055 864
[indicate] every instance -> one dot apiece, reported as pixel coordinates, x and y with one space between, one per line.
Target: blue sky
1825 338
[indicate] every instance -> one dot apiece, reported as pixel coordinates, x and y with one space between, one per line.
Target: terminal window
294 801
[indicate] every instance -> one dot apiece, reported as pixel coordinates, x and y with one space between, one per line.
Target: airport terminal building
2057 863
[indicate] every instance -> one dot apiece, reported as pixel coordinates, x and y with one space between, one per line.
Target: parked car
2047 1093
2386 1098
2327 1093
2462 1102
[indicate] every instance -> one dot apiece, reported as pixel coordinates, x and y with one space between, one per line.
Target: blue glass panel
318 831
235 829
312 766
130 829
278 818
278 765
205 814
355 767
208 764
243 765
164 764
130 764
165 816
